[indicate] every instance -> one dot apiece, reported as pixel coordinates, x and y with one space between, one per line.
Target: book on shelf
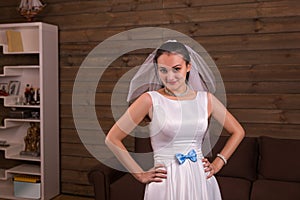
14 41
27 178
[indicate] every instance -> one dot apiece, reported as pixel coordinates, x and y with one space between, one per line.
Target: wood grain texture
254 43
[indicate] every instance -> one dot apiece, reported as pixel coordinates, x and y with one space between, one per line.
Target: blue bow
192 155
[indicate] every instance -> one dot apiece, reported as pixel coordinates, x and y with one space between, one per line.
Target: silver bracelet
222 157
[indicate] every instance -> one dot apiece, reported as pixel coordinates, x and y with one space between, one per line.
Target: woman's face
172 71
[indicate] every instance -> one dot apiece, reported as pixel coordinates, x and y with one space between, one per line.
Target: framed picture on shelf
4 87
13 87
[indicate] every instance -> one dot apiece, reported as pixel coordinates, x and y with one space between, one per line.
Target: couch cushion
234 188
279 159
127 187
275 190
243 162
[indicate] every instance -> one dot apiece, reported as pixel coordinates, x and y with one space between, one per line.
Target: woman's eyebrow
171 67
176 65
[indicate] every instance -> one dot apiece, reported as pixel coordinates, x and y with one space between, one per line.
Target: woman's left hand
209 167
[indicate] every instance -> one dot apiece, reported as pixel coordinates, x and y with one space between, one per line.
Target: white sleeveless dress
179 127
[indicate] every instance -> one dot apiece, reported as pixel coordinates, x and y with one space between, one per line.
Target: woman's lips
172 82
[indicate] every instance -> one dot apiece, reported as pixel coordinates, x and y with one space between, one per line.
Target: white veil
201 78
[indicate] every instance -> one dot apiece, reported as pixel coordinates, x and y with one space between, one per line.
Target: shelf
10 123
40 70
22 120
12 149
10 101
21 106
30 37
7 191
25 169
13 152
11 71
28 158
6 52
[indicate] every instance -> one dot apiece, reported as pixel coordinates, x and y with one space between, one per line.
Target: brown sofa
261 168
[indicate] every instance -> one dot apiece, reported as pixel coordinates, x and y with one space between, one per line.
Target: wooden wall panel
255 44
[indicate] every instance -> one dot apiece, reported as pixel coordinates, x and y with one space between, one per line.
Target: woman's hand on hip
156 174
209 167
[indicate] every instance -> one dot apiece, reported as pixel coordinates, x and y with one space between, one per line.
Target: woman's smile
172 70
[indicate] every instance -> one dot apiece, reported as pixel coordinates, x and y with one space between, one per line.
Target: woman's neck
171 93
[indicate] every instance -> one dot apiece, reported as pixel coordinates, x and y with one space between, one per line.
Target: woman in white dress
179 120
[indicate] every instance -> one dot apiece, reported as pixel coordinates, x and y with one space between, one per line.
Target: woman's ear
189 66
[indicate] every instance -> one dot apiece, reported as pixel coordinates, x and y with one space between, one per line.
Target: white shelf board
6 52
9 101
21 157
13 152
25 169
21 106
12 149
9 71
12 122
22 120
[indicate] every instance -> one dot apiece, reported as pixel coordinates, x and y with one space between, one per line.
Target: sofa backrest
243 162
279 159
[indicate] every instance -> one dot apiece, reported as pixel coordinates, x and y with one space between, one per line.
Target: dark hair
173 47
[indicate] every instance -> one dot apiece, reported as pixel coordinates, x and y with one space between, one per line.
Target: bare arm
232 126
132 117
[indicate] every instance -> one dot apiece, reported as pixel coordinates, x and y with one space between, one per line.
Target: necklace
177 95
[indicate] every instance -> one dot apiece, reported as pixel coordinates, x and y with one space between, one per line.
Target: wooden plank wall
255 44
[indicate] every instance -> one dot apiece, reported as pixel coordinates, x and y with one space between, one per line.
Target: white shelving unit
38 39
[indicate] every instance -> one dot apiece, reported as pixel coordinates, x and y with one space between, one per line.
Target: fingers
206 164
208 167
211 171
158 173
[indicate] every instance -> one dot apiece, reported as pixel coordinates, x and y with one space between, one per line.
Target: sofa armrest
101 176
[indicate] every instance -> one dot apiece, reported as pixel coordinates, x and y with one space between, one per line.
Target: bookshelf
37 39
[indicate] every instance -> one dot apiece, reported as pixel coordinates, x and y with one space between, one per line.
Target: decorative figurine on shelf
3 89
27 94
38 99
32 140
31 95
30 8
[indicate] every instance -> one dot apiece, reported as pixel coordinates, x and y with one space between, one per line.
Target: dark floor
70 197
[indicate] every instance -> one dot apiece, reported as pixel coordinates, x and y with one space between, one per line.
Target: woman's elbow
241 133
238 132
108 140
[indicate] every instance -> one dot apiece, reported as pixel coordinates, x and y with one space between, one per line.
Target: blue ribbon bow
192 155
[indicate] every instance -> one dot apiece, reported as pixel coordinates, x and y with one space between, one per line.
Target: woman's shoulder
146 97
154 94
203 94
143 100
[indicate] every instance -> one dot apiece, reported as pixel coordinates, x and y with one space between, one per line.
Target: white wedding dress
178 126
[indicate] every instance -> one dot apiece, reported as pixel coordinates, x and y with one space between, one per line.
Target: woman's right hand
156 174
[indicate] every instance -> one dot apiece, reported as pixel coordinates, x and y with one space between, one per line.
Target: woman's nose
170 75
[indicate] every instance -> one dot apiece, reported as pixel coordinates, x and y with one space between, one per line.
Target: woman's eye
162 70
176 69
